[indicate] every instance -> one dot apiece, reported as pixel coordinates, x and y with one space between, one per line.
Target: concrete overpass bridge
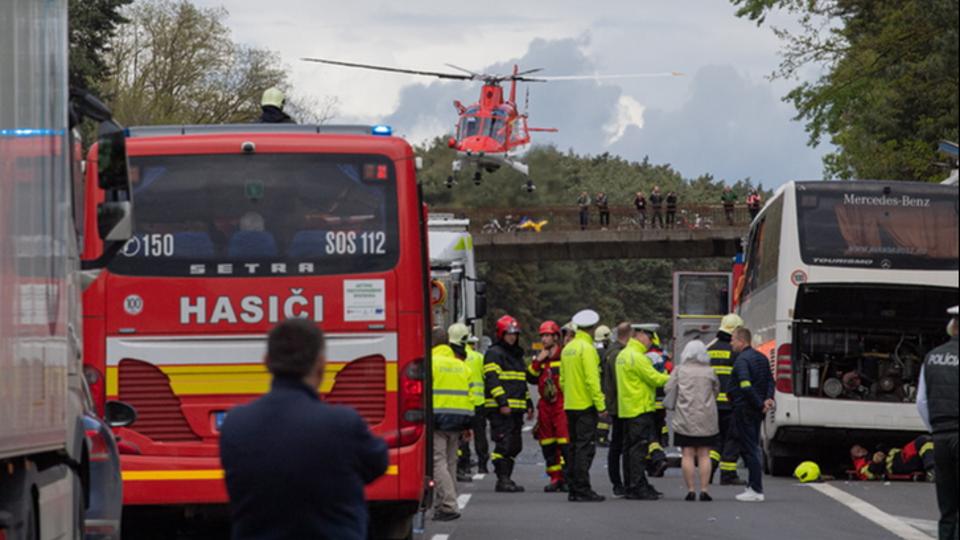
699 232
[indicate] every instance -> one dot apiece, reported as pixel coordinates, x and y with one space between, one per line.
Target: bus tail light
97 386
784 371
412 411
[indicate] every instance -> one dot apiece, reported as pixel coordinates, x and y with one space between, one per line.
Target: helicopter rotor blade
439 74
599 77
474 74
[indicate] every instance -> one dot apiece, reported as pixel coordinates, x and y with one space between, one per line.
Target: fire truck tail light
784 371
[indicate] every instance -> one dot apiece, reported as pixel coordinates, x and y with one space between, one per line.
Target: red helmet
549 327
507 325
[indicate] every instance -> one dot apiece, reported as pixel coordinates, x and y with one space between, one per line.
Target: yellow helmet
602 333
730 322
273 96
807 471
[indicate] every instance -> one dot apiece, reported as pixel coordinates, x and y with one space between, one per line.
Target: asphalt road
791 511
836 510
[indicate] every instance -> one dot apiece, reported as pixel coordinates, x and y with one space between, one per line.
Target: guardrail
622 218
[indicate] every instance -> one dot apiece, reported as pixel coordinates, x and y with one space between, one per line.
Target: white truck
457 294
43 446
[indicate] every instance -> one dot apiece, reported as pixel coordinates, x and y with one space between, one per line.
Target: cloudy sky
724 117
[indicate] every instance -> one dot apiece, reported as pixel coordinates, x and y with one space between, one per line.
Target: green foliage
92 24
889 89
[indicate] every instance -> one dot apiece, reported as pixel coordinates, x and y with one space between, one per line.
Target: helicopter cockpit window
497 126
470 126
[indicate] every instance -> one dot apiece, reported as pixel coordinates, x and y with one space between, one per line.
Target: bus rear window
878 225
234 215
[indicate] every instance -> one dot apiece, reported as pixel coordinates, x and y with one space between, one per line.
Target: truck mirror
115 221
119 414
112 168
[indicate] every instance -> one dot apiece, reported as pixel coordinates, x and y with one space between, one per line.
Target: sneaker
590 496
482 468
618 492
705 497
750 496
507 487
642 495
441 515
691 496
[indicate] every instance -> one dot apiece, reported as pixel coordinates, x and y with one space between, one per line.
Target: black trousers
748 428
615 453
728 212
724 456
946 456
583 448
481 444
506 431
657 216
604 218
584 218
671 218
638 432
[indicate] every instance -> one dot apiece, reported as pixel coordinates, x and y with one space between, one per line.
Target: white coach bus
845 289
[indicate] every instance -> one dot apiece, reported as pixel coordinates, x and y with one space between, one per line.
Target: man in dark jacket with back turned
296 467
751 389
608 383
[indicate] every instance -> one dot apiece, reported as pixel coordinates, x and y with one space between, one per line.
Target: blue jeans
748 428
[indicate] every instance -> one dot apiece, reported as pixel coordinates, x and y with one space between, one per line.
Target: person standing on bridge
729 200
671 210
937 403
507 399
583 203
725 454
603 207
754 202
640 203
609 385
583 402
274 449
551 429
656 202
751 388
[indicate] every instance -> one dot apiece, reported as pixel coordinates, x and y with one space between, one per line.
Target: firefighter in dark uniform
937 402
724 456
506 399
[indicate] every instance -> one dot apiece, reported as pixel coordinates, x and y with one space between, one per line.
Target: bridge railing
622 217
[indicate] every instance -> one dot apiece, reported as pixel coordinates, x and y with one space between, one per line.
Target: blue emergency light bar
382 130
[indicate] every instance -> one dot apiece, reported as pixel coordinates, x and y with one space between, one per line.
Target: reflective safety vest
637 381
721 360
452 403
475 363
580 375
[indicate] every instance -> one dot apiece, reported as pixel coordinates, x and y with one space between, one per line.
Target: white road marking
891 523
527 428
928 526
440 537
462 500
479 476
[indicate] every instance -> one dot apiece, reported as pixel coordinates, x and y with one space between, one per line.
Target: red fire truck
243 226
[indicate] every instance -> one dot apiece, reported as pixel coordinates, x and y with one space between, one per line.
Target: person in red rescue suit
506 398
551 428
916 457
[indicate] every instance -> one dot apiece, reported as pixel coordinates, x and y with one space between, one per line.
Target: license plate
218 419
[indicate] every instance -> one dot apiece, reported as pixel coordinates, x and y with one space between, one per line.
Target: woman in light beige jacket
694 420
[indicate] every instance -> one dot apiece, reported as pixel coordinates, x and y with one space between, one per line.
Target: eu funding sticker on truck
364 300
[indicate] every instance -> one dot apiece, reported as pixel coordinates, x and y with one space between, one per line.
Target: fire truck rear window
234 215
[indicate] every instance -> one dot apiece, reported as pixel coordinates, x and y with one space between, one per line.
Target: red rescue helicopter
492 132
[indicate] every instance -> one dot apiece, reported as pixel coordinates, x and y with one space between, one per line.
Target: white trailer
43 453
458 295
